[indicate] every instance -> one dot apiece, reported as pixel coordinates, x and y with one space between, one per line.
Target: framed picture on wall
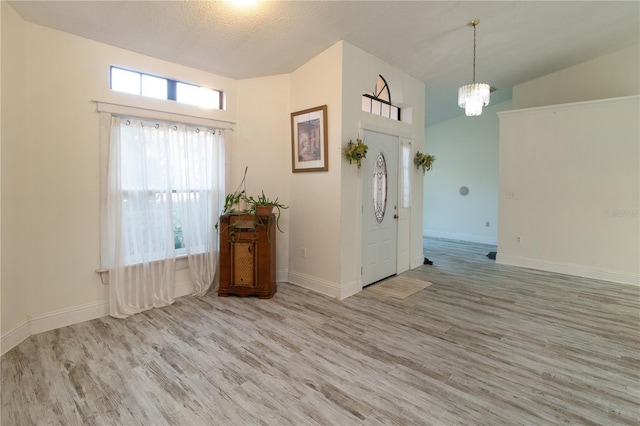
309 140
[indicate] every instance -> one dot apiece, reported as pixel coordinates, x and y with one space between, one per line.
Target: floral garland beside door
355 152
424 160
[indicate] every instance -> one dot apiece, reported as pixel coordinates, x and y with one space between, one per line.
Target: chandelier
472 97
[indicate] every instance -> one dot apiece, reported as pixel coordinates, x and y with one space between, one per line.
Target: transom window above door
379 102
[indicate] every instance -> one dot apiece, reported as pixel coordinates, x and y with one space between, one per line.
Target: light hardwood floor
485 344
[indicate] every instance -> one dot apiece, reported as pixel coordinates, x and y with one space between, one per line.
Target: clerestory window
138 83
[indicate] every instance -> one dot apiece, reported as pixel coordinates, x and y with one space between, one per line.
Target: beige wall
50 167
0 169
608 76
51 185
15 172
315 196
262 142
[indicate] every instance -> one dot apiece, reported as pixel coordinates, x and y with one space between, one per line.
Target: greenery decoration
355 152
232 202
424 160
240 203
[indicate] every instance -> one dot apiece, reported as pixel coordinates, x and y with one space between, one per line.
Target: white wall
570 189
607 76
466 150
577 208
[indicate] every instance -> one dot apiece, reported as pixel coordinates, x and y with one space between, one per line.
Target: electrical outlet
518 239
487 224
303 252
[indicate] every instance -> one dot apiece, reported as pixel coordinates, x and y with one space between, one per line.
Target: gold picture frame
309 143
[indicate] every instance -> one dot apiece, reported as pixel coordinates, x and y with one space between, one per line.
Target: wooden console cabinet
247 255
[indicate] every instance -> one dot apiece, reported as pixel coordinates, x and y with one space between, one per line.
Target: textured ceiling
516 41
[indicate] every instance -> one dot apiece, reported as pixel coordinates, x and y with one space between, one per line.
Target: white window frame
172 92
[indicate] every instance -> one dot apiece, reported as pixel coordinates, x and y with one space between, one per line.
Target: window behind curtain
405 177
169 188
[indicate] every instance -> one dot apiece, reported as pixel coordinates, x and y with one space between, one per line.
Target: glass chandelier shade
472 97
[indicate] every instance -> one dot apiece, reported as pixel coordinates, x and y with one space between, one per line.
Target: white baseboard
569 269
350 289
282 276
14 336
67 316
53 320
183 289
322 286
461 237
418 261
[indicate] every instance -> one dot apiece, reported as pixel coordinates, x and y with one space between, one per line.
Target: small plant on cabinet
263 206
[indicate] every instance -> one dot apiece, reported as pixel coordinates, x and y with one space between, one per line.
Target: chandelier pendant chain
474 23
474 52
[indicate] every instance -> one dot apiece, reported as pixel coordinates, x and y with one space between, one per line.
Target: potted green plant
262 206
424 160
232 202
238 202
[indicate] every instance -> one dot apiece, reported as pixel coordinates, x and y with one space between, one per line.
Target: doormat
399 287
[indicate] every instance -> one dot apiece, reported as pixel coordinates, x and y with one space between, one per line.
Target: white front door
379 207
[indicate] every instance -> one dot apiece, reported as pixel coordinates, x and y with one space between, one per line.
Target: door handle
395 216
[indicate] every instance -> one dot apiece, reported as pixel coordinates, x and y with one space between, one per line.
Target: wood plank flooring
485 344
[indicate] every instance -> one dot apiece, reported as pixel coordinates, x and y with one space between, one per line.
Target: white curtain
198 181
164 192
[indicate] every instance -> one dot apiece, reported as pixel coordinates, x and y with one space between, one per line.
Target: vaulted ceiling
516 40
